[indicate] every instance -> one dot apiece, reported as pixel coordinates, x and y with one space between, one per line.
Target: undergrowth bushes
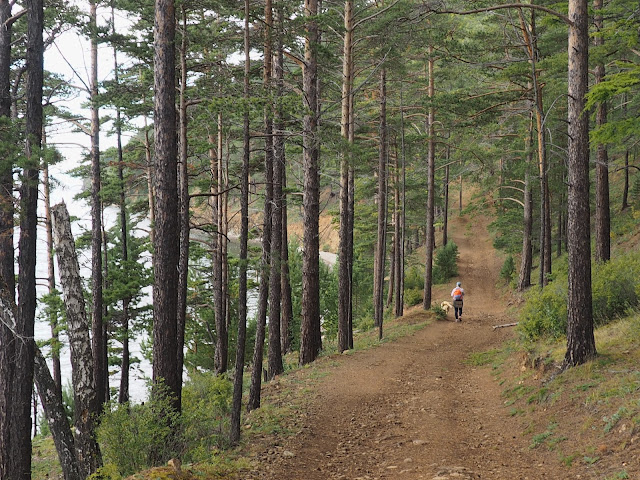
131 437
446 263
615 290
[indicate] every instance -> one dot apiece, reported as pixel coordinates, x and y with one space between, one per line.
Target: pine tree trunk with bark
166 244
183 203
580 338
524 279
274 356
97 338
344 286
431 168
381 239
603 212
22 388
310 337
236 405
123 391
7 257
286 309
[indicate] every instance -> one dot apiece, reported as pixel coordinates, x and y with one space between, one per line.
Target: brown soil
414 408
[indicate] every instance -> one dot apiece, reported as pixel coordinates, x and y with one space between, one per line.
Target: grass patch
44 459
479 359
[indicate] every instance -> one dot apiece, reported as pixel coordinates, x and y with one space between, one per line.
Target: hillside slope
415 408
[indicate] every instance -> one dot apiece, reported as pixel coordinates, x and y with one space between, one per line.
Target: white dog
446 306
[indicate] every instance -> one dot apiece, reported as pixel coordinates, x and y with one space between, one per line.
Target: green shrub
615 289
206 411
446 263
131 435
441 314
413 296
414 278
508 269
545 311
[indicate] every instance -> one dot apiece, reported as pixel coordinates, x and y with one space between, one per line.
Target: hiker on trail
457 294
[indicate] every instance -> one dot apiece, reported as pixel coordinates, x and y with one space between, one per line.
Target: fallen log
505 325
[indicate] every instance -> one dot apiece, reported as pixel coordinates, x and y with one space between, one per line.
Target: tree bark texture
580 339
397 238
7 258
97 338
344 287
524 279
7 273
86 406
603 212
56 418
286 309
431 168
265 272
381 239
275 365
310 338
123 391
236 406
183 205
166 245
222 337
625 189
20 424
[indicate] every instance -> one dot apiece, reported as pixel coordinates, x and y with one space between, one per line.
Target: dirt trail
413 409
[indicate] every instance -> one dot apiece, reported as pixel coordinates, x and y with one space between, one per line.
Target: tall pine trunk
7 257
431 168
310 338
97 338
603 213
580 338
381 239
236 406
183 204
166 244
275 366
286 312
22 389
123 391
265 271
344 280
524 278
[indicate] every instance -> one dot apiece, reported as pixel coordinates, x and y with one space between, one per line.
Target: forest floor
418 408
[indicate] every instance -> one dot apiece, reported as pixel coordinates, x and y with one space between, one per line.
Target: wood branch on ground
505 325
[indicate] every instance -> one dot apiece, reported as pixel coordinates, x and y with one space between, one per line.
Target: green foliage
206 410
413 296
329 299
131 435
414 278
446 264
615 289
545 311
508 269
440 312
107 472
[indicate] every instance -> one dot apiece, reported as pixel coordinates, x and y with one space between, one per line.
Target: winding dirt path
413 408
